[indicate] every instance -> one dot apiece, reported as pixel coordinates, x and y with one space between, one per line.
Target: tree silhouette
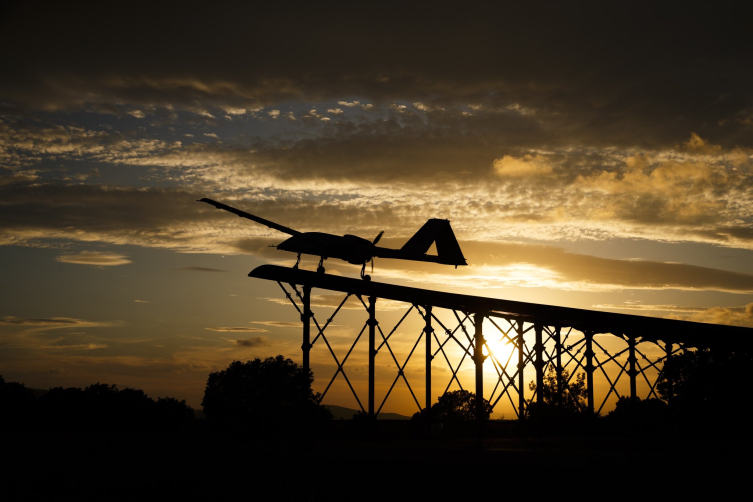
261 397
102 407
571 400
17 404
708 385
456 406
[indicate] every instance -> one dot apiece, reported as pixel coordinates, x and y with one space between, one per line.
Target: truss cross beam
568 347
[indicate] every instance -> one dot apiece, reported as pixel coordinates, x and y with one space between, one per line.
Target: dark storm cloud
638 73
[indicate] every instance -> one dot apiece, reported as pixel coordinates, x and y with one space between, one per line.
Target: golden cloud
522 167
97 259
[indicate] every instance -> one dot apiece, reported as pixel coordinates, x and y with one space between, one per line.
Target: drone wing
244 214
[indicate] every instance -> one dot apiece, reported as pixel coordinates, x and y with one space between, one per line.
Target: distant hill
338 412
342 413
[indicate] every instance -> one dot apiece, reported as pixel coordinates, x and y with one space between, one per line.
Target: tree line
274 395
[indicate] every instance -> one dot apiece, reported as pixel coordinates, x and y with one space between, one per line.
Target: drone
360 251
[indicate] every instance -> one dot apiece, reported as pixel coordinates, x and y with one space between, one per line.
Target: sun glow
501 348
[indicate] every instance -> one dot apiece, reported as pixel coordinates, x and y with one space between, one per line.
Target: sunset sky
587 155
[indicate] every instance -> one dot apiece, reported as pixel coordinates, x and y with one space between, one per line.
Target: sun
500 348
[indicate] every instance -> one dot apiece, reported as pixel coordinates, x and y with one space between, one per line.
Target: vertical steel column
521 364
306 320
558 349
589 335
372 352
478 356
428 331
668 372
632 372
539 348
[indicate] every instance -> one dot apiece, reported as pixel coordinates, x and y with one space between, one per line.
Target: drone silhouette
360 251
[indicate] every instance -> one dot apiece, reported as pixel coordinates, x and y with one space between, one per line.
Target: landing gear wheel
320 269
367 278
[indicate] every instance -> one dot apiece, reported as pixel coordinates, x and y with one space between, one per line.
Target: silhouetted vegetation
16 404
456 406
98 407
708 387
639 415
559 404
259 398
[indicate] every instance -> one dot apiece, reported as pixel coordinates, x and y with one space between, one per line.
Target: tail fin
438 231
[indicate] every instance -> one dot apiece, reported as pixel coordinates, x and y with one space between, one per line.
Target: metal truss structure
557 343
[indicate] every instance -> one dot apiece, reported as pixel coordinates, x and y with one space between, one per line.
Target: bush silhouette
262 397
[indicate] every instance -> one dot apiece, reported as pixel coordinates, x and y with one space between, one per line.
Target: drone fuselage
350 248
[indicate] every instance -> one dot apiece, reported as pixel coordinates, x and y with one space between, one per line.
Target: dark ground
394 463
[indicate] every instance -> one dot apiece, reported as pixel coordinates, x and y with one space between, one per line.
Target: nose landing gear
320 268
363 273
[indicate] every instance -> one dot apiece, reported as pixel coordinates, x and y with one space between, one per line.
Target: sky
588 155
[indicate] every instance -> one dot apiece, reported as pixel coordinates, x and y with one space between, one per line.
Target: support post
632 372
558 368
478 354
372 352
539 348
306 320
521 380
668 372
589 335
428 331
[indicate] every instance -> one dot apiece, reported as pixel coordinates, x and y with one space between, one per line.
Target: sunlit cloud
97 259
279 324
526 166
237 329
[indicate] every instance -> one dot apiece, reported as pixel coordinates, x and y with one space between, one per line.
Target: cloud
199 269
140 301
528 165
211 135
238 329
730 316
335 111
258 341
137 113
648 307
696 144
279 324
624 102
91 258
47 323
274 113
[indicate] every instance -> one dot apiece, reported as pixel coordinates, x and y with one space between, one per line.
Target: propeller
376 239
